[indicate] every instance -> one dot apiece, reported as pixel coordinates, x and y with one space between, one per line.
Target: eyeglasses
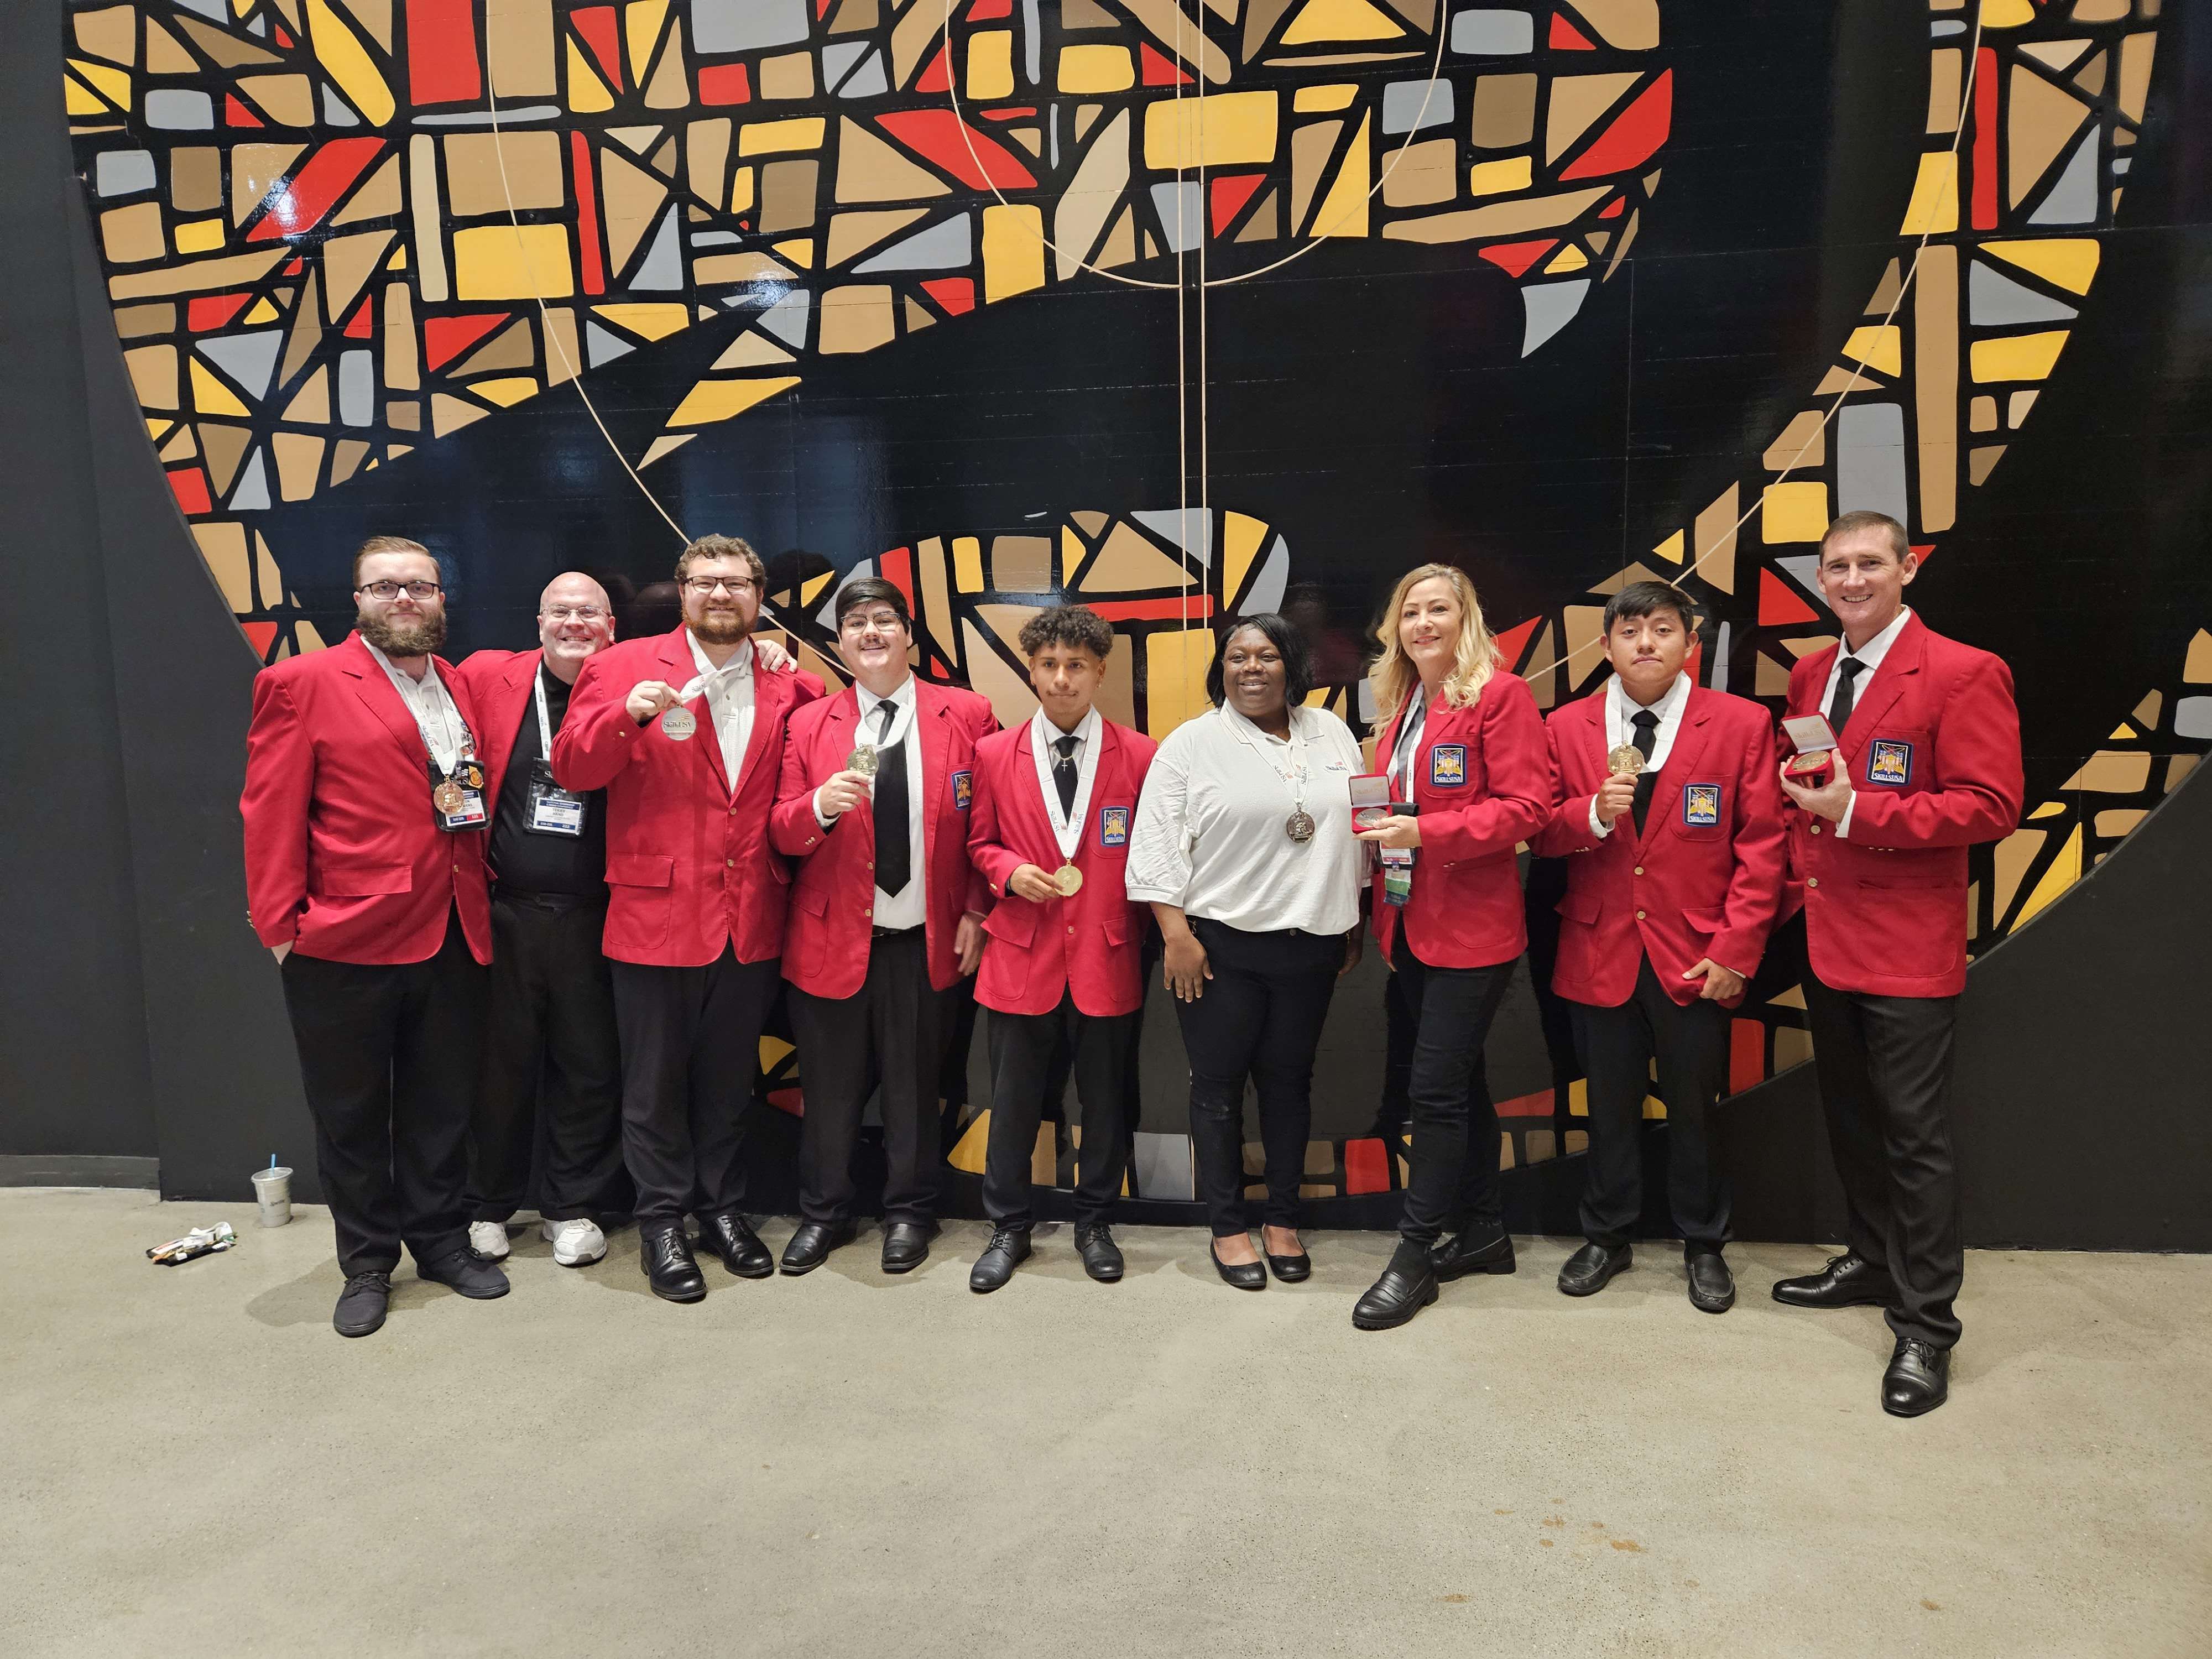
706 586
883 622
582 613
392 589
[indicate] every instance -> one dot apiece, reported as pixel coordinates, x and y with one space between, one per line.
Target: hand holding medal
1624 764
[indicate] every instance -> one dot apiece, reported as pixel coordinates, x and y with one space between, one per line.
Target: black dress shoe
1590 1269
1466 1253
728 1237
362 1304
811 1245
906 1245
1008 1248
669 1266
1848 1281
460 1270
1289 1268
1101 1256
1918 1379
1245 1276
1407 1286
1712 1286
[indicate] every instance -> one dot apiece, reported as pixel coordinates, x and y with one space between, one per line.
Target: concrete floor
193 1464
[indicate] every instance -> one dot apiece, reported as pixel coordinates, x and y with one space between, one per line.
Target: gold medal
863 760
447 798
1068 879
472 775
1628 759
1815 762
1299 826
679 724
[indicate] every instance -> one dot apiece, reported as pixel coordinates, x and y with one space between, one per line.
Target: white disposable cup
272 1190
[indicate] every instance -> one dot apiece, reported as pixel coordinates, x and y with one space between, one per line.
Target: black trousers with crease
1023 1050
1453 1172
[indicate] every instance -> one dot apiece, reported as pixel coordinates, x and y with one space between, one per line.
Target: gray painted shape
1033 43
482 117
125 172
935 247
1197 528
663 269
336 112
1802 569
213 10
601 347
2192 718
357 388
1162 1166
1181 233
2072 199
248 359
1493 34
1265 591
252 494
838 60
1401 105
1870 459
1993 297
1720 658
743 25
180 111
787 318
1552 307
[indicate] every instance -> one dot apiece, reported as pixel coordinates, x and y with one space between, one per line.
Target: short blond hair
376 544
1474 659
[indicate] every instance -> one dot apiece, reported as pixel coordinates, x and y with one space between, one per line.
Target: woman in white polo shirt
1244 848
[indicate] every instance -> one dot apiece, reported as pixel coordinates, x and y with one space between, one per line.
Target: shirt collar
429 668
1239 724
1625 708
901 698
1876 648
742 658
1043 733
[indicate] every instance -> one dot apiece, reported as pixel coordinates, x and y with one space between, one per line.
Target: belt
559 901
899 932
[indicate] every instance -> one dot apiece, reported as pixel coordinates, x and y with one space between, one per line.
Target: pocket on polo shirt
362 880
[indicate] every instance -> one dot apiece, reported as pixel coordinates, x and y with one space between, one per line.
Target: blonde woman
1462 744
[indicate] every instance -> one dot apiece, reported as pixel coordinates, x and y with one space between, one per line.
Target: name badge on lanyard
553 811
457 781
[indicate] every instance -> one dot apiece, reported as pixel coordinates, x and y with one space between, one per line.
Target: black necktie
1647 736
1839 708
1063 775
894 852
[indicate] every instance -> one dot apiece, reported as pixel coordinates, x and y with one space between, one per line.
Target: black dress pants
1260 1016
388 1058
1618 1046
891 1034
1885 1069
1402 1029
548 1043
690 1050
1023 1048
1454 1165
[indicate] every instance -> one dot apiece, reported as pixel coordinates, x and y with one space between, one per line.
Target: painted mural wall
1187 308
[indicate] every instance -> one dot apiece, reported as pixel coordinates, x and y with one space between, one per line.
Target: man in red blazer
1675 852
886 915
1927 763
364 811
687 739
1063 946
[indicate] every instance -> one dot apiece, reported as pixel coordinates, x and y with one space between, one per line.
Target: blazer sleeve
280 782
793 829
597 738
1516 759
994 861
1978 785
1755 891
1566 829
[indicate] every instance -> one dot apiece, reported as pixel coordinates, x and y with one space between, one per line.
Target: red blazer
688 865
1482 777
1091 943
1933 751
343 859
1704 877
498 684
833 895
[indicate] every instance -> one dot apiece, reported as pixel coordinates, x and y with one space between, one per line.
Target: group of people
557 892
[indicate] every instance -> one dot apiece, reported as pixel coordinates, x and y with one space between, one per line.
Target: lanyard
1296 777
1068 834
447 755
1408 744
544 721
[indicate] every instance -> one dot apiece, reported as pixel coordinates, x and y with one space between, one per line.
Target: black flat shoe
1592 1268
464 1272
1407 1286
1007 1251
1291 1269
1848 1281
1455 1258
1712 1286
1101 1256
669 1267
811 1245
1918 1379
360 1305
1248 1276
728 1237
906 1245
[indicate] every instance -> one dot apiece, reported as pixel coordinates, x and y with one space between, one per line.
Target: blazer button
1816 829
1812 881
730 863
1071 932
1639 916
1639 869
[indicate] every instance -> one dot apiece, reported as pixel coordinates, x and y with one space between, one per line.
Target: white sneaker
576 1244
487 1239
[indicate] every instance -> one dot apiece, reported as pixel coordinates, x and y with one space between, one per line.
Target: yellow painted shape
655 322
1343 211
2065 870
718 400
1934 208
113 84
1793 512
347 62
1879 348
2017 356
506 392
810 589
642 21
1233 129
967 1154
263 311
1013 251
2069 261
79 99
1096 69
991 63
588 93
1571 258
776 138
741 191
968 564
800 251
1313 100
398 259
666 444
2050 808
200 236
1338 20
211 397
501 262
1241 539
1672 549
1496 177
2007 13
1175 677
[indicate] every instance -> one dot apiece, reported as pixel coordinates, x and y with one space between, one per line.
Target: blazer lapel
936 739
771 696
676 658
1690 738
1889 685
375 689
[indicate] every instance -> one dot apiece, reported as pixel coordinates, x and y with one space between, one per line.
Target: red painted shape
982 10
213 311
1515 640
444 338
956 295
896 568
441 52
235 114
1514 258
725 84
1198 607
1159 71
1612 209
190 486
284 38
588 213
1010 113
791 1100
1230 195
261 635
1539 1105
1985 207
296 267
1747 1054
935 76
1778 603
935 134
363 319
1366 1167
296 205
1923 553
595 26
1636 133
1565 37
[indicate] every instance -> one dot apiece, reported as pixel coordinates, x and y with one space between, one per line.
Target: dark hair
376 544
872 590
1865 519
723 547
1077 625
1297 661
1642 598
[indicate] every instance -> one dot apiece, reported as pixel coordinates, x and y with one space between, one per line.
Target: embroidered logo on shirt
1113 826
964 789
1889 762
1701 804
1447 764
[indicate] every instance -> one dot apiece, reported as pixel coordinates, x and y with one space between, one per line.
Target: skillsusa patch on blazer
1113 826
1889 762
1701 805
1447 764
964 789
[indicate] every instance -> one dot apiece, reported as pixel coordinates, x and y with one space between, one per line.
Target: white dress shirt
910 909
1400 769
1871 654
1210 837
1621 711
1044 734
445 733
729 691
